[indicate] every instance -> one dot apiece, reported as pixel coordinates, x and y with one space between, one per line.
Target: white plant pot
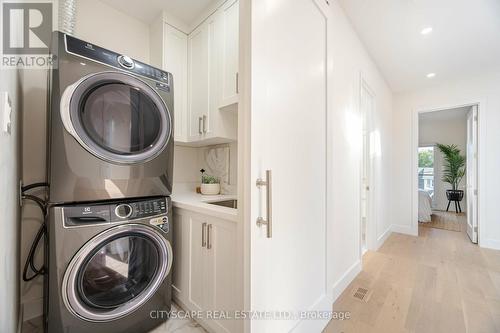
210 189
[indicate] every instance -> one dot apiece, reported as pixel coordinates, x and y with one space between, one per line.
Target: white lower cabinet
204 273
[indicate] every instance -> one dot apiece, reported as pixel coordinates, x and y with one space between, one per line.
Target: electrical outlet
5 112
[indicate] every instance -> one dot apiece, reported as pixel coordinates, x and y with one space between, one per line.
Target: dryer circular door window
117 117
116 272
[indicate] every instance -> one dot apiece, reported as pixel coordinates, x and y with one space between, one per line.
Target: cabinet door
229 53
221 274
197 252
181 244
198 80
175 62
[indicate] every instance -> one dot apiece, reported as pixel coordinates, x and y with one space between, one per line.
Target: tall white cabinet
204 63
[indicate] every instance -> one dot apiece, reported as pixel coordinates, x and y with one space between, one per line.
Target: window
426 169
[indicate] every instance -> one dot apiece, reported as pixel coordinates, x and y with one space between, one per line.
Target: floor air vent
361 294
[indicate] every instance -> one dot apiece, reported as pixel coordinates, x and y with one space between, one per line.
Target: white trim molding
338 287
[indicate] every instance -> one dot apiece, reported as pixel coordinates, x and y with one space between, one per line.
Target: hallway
437 282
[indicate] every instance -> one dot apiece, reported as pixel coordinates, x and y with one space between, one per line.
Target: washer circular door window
116 272
117 117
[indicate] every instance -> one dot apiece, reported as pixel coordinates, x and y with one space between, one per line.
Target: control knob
126 62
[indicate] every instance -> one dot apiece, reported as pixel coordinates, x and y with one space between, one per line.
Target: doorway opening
447 170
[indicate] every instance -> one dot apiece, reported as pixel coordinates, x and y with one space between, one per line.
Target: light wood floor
447 220
437 282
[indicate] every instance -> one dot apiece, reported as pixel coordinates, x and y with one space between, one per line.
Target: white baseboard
404 229
490 244
322 305
338 287
383 237
32 308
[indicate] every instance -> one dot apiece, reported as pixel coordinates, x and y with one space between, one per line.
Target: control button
126 62
123 211
164 76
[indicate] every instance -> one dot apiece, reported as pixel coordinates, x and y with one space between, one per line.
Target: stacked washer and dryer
110 164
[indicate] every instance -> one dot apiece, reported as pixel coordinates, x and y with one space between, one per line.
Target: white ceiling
446 115
465 40
148 10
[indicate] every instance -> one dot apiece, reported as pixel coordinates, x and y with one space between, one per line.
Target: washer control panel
153 211
139 209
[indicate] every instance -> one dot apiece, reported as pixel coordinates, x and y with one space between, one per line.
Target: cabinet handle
237 83
209 237
203 234
199 125
204 124
269 204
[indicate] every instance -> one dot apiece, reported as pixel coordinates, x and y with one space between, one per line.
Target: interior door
367 101
472 174
288 136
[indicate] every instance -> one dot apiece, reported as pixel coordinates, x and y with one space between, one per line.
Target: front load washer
110 125
109 266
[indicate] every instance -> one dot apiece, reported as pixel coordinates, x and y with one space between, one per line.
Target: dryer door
117 117
116 272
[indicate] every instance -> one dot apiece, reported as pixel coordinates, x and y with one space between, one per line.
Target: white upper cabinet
175 61
204 64
229 55
199 80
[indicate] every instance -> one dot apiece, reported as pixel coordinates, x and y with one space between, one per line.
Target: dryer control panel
96 53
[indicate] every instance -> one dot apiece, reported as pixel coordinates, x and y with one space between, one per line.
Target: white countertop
185 197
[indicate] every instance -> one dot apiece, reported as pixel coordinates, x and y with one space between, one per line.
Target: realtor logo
27 27
26 33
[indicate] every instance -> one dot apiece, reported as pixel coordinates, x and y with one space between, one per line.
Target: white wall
9 207
435 129
350 61
105 26
100 24
483 89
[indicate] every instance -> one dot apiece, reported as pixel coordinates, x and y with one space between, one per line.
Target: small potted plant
210 185
453 171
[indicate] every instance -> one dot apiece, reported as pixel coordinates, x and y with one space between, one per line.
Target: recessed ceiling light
431 75
426 31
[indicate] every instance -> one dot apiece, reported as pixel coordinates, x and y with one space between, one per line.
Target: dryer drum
117 117
116 272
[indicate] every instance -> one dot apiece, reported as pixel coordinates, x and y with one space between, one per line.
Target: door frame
371 227
481 139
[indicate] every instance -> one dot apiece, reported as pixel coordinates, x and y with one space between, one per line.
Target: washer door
116 272
117 117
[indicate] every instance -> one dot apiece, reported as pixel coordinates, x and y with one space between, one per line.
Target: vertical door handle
209 237
204 124
268 221
199 125
203 234
237 82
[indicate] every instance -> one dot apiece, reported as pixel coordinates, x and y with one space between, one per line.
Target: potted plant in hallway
453 173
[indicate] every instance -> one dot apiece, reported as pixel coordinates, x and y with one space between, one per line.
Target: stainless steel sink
226 203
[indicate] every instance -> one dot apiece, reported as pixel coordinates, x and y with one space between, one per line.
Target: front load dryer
110 125
109 266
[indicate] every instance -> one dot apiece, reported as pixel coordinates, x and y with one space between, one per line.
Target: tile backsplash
218 160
